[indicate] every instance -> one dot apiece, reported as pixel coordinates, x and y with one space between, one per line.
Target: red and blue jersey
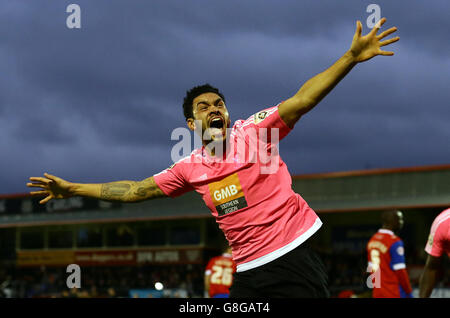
220 272
386 256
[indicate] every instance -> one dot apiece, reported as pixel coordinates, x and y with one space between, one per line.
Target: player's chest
227 189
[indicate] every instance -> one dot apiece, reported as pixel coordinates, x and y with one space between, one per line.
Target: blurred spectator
102 282
346 271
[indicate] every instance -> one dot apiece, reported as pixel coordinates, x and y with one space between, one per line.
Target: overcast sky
99 103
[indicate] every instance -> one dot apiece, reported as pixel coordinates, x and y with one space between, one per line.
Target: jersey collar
385 231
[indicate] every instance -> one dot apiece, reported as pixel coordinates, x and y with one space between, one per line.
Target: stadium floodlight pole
262 217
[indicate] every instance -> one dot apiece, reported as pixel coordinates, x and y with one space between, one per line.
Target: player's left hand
51 186
363 48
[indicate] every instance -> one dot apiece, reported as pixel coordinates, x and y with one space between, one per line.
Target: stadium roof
414 187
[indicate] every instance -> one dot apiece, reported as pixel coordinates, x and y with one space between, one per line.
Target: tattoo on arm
131 191
148 189
140 192
115 191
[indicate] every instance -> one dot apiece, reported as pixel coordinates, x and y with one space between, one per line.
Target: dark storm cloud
99 104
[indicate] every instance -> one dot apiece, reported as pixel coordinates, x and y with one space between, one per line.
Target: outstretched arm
124 191
428 279
315 89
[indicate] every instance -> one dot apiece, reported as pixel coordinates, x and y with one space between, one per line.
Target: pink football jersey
249 192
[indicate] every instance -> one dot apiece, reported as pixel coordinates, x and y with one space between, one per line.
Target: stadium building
124 249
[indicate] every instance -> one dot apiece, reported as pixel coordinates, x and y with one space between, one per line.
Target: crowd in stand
102 282
346 271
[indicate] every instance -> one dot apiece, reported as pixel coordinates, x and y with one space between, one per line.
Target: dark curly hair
193 93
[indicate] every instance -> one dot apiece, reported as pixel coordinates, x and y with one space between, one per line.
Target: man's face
210 109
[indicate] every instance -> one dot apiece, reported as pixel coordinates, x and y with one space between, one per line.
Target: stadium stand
123 250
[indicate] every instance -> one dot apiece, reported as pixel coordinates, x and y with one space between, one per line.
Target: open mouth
216 122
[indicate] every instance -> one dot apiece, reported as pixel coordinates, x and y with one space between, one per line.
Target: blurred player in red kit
438 244
386 256
219 275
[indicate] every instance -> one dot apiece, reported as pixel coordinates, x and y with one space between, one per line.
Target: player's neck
216 148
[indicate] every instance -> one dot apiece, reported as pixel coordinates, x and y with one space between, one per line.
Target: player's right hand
51 186
363 48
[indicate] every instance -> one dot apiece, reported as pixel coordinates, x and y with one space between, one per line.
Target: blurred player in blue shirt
386 256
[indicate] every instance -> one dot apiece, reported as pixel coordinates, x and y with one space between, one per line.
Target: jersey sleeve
172 182
269 120
403 279
435 243
397 252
